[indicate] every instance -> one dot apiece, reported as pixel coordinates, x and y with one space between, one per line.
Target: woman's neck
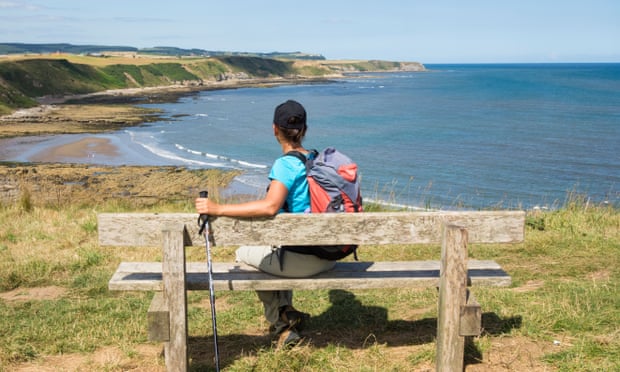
287 147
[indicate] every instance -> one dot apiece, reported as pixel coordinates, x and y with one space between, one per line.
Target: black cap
290 114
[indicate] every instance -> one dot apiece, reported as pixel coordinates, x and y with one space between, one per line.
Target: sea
462 136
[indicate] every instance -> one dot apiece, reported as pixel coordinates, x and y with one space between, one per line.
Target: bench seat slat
146 276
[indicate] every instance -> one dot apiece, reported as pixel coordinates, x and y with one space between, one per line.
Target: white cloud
19 5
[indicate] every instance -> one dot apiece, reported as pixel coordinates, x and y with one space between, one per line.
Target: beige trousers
294 265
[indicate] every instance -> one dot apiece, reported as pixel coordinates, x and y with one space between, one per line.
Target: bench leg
471 317
158 319
173 275
452 296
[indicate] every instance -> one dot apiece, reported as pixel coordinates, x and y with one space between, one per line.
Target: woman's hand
268 206
205 206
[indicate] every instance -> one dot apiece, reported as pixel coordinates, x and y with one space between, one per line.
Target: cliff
23 79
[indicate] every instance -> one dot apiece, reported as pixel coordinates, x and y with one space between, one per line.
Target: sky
440 31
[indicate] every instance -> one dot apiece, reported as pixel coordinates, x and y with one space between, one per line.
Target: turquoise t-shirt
292 173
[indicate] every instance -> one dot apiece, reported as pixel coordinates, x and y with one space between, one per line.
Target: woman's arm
268 206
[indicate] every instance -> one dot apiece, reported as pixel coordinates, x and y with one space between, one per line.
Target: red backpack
334 188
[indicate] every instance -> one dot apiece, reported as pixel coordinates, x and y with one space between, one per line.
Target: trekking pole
203 222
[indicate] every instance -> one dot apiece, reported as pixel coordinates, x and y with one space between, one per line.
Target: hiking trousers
294 265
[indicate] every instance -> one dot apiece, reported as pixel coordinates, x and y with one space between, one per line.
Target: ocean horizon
471 136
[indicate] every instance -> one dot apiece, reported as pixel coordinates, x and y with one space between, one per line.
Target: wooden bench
459 315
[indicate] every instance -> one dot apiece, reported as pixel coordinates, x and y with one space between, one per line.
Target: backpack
334 188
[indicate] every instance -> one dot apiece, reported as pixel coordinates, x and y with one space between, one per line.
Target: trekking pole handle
203 218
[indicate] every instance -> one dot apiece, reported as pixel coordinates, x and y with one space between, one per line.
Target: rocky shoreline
73 118
56 185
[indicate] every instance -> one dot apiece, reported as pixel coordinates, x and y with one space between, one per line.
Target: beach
58 153
26 131
89 147
63 134
95 169
73 147
26 134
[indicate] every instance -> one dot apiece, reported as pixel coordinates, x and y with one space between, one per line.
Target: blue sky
442 31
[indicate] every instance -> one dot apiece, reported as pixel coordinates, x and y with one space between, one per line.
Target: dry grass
58 185
57 314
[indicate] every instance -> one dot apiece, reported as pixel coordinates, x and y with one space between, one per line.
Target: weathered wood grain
458 317
452 295
471 317
175 296
144 229
147 276
158 319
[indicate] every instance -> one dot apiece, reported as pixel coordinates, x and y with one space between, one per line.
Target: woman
288 189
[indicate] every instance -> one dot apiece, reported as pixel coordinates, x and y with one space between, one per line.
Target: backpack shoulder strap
298 155
307 160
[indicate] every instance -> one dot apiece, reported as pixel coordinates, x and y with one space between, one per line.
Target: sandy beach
57 153
25 134
89 147
80 148
56 131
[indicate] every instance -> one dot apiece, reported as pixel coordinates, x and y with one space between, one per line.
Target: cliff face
412 66
23 80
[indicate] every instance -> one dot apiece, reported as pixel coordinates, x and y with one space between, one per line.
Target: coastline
61 148
115 109
98 113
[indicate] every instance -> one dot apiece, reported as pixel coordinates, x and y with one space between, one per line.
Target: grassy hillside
260 67
29 78
11 98
39 77
24 78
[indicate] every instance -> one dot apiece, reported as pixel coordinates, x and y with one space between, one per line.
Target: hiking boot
293 318
288 338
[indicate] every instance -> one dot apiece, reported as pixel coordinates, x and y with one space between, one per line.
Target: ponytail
294 136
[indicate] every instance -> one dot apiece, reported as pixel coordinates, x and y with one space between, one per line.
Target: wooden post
158 319
471 317
173 275
452 295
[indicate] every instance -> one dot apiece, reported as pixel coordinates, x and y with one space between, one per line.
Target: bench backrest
145 229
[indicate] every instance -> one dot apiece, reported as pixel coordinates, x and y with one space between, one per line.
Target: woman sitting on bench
288 190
